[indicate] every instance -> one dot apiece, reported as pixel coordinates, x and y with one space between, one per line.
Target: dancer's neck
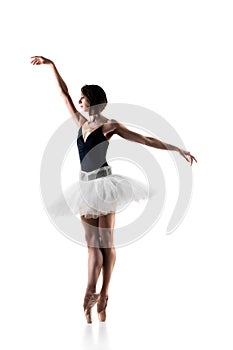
95 118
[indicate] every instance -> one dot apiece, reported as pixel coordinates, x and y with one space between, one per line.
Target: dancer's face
84 103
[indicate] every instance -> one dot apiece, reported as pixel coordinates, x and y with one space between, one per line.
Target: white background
173 57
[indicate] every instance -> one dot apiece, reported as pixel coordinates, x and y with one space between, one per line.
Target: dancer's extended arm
127 134
78 117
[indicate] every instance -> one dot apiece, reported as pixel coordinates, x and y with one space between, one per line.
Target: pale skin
102 258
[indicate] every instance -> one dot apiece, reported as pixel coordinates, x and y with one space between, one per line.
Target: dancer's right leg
95 256
95 263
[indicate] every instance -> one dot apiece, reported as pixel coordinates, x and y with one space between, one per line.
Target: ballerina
101 193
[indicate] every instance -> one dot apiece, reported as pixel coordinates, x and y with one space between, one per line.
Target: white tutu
99 195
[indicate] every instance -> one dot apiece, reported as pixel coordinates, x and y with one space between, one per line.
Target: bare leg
108 265
95 263
106 228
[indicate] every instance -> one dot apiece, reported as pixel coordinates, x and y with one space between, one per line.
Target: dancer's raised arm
121 130
78 117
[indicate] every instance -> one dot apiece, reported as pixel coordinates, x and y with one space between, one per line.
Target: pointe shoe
101 308
89 302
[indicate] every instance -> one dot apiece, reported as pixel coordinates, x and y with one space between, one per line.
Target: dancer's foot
89 302
101 307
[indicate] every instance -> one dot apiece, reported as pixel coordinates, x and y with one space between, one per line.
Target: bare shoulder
116 127
110 125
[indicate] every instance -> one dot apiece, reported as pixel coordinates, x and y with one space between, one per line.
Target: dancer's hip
92 175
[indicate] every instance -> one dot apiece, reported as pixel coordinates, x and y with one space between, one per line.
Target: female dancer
97 217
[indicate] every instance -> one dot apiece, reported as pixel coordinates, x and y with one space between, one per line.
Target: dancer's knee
91 232
106 236
92 240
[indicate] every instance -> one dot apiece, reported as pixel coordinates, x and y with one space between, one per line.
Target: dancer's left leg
106 228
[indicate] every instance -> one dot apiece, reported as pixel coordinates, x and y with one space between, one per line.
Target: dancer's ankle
90 291
103 294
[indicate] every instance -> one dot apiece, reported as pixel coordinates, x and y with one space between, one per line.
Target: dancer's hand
187 156
40 60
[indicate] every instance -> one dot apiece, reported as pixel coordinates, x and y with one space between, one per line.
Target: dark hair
96 96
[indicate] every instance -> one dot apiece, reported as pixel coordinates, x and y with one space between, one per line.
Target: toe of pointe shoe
101 308
102 316
88 316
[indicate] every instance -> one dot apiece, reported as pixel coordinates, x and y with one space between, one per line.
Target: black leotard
92 153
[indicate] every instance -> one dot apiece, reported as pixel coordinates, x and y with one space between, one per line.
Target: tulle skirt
99 192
